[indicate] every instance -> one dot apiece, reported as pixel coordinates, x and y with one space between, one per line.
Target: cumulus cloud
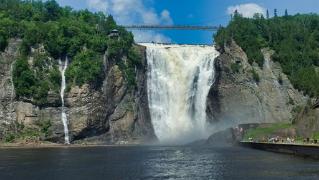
128 12
247 10
150 36
166 17
99 5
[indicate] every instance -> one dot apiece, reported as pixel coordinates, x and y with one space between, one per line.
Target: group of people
276 139
282 140
287 140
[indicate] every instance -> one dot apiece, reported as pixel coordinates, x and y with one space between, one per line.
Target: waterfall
179 80
12 95
64 119
12 91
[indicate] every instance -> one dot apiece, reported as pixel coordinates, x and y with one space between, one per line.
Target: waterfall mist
179 79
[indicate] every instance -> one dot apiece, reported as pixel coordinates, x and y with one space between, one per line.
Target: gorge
145 89
111 90
183 93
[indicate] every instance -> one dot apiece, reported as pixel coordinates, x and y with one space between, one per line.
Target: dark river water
152 163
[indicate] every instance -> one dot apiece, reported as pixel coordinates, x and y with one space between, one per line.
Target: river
152 162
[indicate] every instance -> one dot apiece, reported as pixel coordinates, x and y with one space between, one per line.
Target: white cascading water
179 80
11 92
62 68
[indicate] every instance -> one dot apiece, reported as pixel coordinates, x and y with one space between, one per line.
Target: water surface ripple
152 163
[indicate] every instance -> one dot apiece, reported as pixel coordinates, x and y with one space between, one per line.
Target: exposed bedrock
237 97
113 113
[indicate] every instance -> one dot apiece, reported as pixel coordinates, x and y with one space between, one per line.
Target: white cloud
247 10
128 12
166 17
150 36
99 5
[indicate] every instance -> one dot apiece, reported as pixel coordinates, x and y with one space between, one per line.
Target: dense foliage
40 131
86 67
36 83
82 36
295 40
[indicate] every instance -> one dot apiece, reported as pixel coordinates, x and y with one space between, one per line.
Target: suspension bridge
171 27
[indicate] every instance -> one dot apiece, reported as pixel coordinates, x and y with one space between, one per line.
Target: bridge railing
180 44
173 27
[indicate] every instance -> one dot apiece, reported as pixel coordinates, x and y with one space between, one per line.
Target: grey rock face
222 138
307 121
236 98
7 94
116 113
113 113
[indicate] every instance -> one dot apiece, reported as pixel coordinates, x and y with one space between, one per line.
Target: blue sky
190 12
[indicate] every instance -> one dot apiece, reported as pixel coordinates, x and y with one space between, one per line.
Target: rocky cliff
7 93
113 113
245 93
307 120
116 112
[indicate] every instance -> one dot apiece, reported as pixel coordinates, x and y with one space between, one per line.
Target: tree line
295 40
79 35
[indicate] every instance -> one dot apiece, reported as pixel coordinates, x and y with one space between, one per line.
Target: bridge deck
178 44
173 27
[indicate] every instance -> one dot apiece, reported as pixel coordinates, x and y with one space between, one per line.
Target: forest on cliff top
295 40
81 36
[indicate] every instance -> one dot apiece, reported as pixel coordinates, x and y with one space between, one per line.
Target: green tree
295 40
23 78
52 10
86 67
79 35
3 42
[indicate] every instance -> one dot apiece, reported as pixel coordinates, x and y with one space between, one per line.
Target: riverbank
54 145
303 150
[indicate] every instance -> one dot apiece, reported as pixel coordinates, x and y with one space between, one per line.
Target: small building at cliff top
114 34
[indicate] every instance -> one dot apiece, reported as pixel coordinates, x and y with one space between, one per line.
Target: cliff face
307 120
118 113
7 94
114 113
237 97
